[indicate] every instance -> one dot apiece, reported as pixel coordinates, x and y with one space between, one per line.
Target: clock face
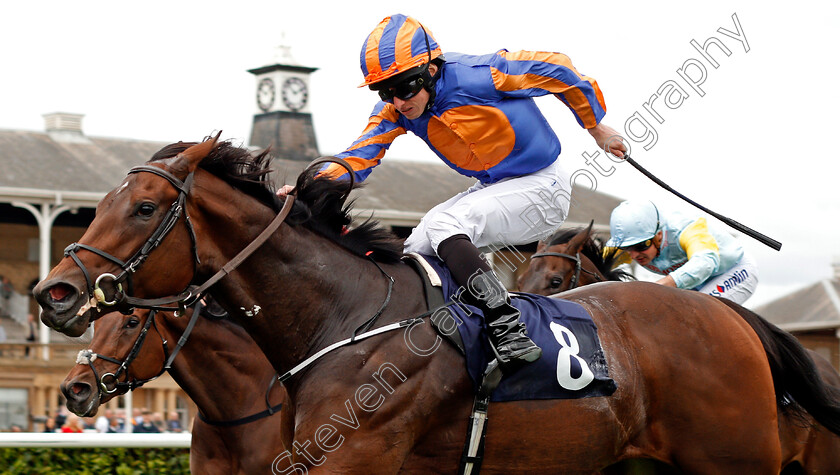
294 93
265 94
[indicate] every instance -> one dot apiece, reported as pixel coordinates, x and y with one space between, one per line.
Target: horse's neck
300 293
221 369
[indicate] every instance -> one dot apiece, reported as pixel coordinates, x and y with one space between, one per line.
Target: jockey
478 115
690 252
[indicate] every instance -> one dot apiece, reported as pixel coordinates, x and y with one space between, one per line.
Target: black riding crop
768 241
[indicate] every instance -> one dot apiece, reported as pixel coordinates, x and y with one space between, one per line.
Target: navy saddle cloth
572 364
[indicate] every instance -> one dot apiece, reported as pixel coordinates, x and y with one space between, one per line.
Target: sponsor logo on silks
736 278
666 270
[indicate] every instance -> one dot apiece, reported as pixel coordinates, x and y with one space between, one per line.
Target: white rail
86 440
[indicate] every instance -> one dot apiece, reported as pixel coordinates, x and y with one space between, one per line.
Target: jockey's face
649 254
415 106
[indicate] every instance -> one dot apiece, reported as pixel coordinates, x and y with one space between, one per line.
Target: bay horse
808 448
695 378
571 257
243 418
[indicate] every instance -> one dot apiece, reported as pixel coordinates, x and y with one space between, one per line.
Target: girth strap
473 454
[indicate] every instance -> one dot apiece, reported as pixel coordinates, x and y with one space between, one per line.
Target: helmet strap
430 86
657 231
656 240
428 79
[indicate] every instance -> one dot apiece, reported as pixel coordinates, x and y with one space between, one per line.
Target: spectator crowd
112 421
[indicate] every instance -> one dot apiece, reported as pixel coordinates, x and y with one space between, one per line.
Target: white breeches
513 211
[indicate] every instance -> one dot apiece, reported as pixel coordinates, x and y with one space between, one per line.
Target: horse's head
568 259
553 267
148 209
126 351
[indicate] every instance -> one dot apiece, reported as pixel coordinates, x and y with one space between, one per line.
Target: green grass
117 460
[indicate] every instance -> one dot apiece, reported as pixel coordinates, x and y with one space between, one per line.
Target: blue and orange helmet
399 46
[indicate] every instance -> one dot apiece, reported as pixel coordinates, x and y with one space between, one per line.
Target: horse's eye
555 282
132 322
146 209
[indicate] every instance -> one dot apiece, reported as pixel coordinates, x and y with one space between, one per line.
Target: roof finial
283 52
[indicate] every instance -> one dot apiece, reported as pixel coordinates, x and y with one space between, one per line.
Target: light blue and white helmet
632 222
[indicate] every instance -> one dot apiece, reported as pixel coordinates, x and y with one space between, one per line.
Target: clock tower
283 119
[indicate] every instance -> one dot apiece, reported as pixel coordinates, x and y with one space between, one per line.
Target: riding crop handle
766 240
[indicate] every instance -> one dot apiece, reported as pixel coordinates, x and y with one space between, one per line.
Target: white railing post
45 217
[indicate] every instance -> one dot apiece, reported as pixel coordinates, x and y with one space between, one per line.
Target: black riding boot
506 332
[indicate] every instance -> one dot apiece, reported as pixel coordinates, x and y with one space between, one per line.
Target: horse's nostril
59 292
78 387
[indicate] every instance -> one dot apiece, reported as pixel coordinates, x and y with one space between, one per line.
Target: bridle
130 266
110 383
105 381
578 267
123 301
88 356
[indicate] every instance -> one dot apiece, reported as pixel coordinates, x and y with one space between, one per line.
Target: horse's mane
324 209
604 261
237 166
320 203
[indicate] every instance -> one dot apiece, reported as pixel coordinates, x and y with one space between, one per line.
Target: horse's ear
580 239
187 161
541 245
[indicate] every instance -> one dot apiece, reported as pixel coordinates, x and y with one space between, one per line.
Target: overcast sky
753 142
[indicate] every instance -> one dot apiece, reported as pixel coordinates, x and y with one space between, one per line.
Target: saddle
573 364
433 292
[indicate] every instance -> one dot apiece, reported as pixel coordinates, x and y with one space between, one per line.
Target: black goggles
404 90
640 247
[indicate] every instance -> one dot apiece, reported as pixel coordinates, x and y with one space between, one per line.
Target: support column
159 399
171 401
39 402
45 216
52 400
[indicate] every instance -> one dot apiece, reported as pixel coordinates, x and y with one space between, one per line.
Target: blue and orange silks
484 122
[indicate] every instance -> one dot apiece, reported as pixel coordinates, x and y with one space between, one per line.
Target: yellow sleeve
703 254
697 239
